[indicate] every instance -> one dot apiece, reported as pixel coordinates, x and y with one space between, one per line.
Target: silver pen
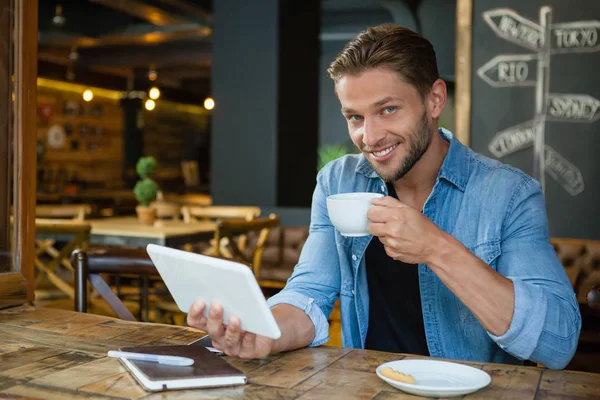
167 360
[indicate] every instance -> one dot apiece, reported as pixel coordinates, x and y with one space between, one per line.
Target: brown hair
400 49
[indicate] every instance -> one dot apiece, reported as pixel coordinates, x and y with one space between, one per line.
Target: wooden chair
48 258
593 298
233 230
189 199
192 214
76 212
90 263
221 213
191 173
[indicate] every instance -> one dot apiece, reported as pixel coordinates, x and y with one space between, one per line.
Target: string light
88 95
209 103
150 105
154 93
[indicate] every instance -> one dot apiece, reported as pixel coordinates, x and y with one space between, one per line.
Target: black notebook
208 370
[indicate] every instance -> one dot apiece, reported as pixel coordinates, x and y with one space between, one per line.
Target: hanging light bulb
154 93
58 19
150 105
152 74
88 95
209 103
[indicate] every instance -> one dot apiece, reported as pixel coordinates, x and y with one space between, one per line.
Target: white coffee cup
348 212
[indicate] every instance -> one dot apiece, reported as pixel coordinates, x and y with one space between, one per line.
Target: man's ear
437 98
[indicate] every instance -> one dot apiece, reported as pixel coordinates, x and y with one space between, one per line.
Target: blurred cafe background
201 125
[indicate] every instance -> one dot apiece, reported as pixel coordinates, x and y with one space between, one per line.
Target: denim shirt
495 211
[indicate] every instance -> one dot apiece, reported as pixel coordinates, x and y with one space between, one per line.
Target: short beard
420 141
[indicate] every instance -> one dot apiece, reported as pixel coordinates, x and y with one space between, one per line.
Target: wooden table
47 353
128 231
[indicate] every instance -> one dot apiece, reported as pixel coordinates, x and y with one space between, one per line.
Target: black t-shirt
395 315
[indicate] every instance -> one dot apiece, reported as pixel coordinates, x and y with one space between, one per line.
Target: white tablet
191 276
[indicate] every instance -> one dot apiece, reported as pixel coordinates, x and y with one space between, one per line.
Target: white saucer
437 378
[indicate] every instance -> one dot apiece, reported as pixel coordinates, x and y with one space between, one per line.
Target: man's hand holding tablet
230 339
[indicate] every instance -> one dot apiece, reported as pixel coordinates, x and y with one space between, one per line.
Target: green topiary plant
146 167
329 153
145 190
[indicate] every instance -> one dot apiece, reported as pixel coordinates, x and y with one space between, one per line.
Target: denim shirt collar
455 168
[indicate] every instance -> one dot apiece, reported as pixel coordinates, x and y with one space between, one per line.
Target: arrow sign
511 26
510 70
573 107
512 139
562 171
575 37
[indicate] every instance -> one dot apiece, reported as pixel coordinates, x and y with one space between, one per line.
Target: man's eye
355 118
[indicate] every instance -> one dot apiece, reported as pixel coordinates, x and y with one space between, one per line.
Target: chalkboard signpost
535 85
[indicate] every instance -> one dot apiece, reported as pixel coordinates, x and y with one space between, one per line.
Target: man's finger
196 316
377 228
233 333
248 348
388 201
214 326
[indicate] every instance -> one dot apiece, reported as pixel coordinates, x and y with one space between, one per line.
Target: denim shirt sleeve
315 284
546 320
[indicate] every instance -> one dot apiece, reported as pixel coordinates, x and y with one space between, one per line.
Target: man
459 265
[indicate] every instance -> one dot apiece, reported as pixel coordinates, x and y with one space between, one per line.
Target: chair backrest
189 199
48 258
593 298
191 173
192 214
581 260
232 230
77 212
92 262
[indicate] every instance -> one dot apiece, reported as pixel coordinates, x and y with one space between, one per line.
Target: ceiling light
154 93
152 74
150 105
58 19
209 103
88 95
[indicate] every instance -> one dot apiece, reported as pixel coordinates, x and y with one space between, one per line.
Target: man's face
387 120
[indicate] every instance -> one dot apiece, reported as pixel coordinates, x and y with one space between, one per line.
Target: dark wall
244 82
265 85
572 172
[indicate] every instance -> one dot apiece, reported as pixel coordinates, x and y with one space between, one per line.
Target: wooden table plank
49 365
248 391
295 367
334 392
365 360
31 391
8 346
6 383
509 382
86 374
70 324
568 385
27 356
121 385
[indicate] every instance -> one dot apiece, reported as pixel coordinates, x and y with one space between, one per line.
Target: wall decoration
56 137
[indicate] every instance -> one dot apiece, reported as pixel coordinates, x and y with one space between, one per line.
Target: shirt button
353 292
382 188
354 257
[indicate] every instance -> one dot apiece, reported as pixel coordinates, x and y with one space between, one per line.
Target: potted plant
330 152
145 189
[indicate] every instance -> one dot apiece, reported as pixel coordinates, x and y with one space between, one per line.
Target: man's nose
372 133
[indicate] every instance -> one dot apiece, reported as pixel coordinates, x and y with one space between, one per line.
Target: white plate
437 378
